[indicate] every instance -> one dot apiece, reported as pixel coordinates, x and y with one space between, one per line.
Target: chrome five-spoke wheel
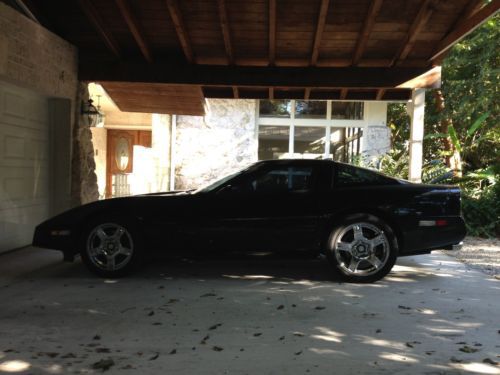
109 247
361 249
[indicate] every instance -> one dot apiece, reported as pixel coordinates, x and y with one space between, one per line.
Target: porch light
95 116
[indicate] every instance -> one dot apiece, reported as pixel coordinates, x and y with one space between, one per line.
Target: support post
417 109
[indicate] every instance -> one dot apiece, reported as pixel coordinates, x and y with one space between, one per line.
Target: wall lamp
95 116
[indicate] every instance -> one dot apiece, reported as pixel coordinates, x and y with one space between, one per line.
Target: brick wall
33 57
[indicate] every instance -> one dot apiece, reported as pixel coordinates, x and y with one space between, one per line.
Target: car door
273 208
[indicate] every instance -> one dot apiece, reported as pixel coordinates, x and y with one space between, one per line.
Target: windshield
214 185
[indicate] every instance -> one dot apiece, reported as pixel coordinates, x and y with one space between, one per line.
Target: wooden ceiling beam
94 17
370 18
320 26
181 30
380 94
424 13
307 93
232 75
465 27
272 32
343 93
470 8
226 34
135 28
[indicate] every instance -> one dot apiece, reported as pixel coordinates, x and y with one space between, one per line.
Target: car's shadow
241 266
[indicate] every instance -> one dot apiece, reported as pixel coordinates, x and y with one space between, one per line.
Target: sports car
359 219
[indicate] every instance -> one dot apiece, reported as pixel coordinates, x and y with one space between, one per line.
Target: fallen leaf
49 354
378 330
298 334
156 355
408 344
102 350
298 353
319 308
404 307
96 337
281 338
468 349
490 362
215 326
280 307
157 323
204 340
208 295
103 364
217 348
257 334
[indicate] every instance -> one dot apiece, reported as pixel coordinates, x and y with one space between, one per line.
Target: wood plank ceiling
166 56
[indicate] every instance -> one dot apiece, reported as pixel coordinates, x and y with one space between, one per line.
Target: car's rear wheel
110 248
362 249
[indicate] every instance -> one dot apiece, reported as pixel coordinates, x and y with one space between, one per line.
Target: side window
280 179
352 176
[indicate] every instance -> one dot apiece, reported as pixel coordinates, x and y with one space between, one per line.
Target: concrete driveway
246 316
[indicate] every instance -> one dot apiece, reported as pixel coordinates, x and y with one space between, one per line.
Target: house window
310 109
347 110
312 129
275 108
273 142
309 142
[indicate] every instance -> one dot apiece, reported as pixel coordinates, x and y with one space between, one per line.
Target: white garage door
24 164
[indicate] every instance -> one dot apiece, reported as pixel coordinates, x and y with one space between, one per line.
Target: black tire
345 248
129 239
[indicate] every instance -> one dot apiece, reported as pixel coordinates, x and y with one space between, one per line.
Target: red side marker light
441 223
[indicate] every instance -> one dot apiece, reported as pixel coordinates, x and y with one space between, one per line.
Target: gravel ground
480 253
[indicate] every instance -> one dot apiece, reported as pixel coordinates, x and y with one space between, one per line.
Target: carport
167 57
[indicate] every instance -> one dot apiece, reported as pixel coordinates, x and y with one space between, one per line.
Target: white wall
99 140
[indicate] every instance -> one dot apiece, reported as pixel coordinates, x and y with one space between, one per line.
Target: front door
120 158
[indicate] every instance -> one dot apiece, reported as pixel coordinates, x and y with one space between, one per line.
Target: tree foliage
469 107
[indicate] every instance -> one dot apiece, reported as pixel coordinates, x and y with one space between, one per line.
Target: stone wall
84 187
222 141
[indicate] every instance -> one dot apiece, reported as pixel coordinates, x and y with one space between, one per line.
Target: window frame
327 123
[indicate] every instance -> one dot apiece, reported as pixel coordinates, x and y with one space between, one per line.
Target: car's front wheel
362 249
110 248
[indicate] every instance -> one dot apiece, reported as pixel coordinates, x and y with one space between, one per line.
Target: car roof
296 161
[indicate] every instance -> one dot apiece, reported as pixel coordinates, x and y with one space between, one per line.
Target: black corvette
360 219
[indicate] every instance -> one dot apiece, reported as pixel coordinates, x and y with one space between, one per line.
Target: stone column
417 109
83 178
161 143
